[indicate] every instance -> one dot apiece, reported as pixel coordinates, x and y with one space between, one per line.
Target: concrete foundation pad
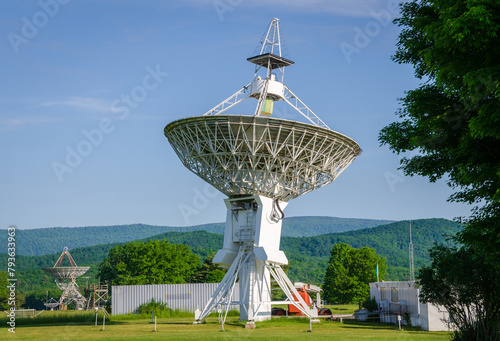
250 325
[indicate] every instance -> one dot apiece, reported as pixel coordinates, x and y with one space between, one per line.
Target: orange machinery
293 310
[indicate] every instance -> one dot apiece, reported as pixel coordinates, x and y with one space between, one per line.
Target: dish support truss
71 294
261 93
251 248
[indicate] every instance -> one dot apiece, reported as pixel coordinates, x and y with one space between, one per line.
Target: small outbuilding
401 300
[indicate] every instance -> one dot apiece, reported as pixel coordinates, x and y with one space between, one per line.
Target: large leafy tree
461 280
349 271
453 119
152 262
468 287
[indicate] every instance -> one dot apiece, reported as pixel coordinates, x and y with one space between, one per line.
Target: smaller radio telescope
260 163
65 279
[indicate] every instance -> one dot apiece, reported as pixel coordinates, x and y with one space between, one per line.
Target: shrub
157 307
370 304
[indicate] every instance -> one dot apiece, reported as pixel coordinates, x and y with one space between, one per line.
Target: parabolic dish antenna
65 279
255 155
259 162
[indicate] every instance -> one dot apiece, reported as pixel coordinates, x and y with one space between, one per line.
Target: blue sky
88 87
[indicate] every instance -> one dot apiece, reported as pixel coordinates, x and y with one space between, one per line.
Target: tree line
308 257
44 241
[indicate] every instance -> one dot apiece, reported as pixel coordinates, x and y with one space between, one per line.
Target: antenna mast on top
270 51
412 265
267 87
271 39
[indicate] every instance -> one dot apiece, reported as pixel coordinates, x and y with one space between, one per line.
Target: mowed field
183 329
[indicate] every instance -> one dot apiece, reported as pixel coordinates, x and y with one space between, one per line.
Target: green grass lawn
343 308
183 329
336 308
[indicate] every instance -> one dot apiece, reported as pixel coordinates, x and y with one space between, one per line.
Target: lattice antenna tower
260 163
410 251
270 52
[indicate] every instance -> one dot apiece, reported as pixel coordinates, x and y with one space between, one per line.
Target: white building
402 299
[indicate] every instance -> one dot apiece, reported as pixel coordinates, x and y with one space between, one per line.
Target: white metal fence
189 297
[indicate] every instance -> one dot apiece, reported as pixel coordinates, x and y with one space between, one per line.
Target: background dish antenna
65 279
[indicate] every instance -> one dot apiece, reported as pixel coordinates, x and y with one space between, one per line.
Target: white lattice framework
67 272
71 294
245 155
65 279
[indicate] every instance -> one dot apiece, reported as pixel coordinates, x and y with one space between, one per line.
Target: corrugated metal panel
399 296
189 297
406 293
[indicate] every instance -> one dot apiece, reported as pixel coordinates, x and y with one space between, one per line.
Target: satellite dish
65 279
260 162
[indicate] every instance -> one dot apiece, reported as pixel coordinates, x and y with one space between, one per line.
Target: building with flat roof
401 300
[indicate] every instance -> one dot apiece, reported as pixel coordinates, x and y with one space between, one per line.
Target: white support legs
289 289
251 248
255 296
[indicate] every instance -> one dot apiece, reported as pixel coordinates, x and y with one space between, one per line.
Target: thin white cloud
86 103
353 8
22 122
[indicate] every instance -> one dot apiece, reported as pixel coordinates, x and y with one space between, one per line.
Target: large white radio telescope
259 162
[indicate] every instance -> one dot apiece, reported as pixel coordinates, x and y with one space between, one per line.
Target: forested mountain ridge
46 241
315 226
308 256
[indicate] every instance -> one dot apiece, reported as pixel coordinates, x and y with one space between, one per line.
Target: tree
349 272
468 287
453 119
36 300
152 262
208 272
4 291
453 122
